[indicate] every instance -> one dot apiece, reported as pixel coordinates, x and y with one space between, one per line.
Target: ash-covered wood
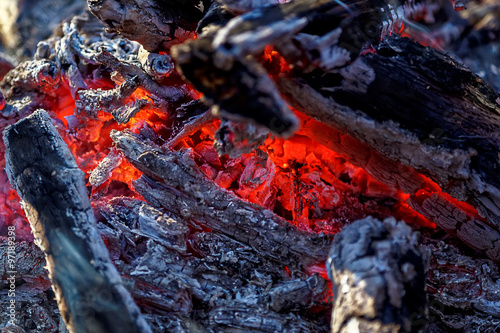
205 292
129 70
378 272
89 291
186 191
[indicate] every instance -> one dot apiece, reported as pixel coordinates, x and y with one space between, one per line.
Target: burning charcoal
152 23
298 293
378 272
237 138
44 173
460 157
101 174
187 192
144 220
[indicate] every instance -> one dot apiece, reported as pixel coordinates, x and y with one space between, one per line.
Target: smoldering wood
45 175
462 162
451 150
129 70
378 273
236 88
186 191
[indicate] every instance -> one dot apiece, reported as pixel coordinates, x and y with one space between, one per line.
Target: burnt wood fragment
153 23
378 272
90 294
186 191
236 88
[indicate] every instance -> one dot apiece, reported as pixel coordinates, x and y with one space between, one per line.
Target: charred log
457 146
186 191
89 290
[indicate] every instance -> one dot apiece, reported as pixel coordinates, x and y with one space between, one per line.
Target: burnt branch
90 294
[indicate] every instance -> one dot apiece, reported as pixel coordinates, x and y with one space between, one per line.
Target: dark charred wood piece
236 88
378 272
455 139
154 24
90 294
186 191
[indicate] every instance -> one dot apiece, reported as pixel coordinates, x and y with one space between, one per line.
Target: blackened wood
186 191
152 23
236 88
91 297
427 125
378 273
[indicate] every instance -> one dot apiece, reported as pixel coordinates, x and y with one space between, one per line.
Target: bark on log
378 273
90 294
